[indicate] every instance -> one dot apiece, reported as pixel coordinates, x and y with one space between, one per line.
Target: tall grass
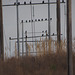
53 64
47 62
16 54
45 47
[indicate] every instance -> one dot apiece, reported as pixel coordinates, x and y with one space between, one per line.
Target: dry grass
53 64
47 63
44 65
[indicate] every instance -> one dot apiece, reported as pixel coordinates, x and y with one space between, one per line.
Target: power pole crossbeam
33 4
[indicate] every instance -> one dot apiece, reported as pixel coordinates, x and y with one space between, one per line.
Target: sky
40 11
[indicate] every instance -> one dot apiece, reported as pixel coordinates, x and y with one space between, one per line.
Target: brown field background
46 63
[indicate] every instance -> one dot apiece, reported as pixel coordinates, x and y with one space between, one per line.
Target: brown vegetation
53 64
48 61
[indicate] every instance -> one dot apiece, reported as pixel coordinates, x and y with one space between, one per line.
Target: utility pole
26 44
49 19
22 39
69 38
58 24
46 39
1 33
18 44
10 45
32 21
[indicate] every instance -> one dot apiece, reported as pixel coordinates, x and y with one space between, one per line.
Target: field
54 63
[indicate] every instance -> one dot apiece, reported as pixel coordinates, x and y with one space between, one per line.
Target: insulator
22 21
46 31
9 38
42 1
50 18
53 33
18 3
32 20
26 36
35 19
42 34
26 21
30 2
42 31
62 1
29 20
38 19
24 2
15 3
41 19
46 19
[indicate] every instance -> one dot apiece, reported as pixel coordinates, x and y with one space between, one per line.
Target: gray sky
40 11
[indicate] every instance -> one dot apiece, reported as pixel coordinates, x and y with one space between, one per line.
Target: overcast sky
40 11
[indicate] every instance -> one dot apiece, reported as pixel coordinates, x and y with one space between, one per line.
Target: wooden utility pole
58 24
69 38
18 41
26 44
22 39
10 45
49 19
1 33
46 39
